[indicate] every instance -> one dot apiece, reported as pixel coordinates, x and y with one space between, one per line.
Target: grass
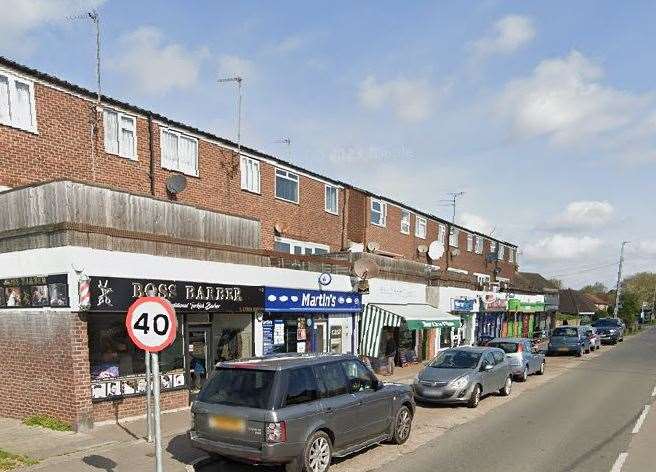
45 421
10 461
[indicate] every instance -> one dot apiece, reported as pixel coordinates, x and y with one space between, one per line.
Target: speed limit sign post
152 325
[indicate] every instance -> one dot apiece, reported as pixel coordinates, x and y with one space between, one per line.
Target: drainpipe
151 152
345 221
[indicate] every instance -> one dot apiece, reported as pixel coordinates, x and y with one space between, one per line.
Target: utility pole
452 203
618 288
238 80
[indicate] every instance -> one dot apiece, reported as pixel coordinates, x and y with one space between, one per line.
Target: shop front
215 323
491 321
466 308
523 311
303 320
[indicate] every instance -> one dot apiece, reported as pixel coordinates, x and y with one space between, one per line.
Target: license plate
227 423
563 349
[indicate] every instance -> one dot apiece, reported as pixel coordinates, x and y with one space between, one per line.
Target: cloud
510 34
289 44
647 247
153 66
475 222
230 66
561 247
584 214
564 100
20 18
411 100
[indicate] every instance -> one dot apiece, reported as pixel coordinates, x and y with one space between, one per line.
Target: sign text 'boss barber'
151 323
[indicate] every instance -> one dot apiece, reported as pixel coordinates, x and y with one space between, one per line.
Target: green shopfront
524 312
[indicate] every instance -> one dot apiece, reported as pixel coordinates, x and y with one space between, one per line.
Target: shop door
320 331
199 353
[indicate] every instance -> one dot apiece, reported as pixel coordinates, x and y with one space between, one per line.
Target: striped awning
373 320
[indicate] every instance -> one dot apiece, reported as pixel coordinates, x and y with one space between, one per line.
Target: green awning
425 324
421 316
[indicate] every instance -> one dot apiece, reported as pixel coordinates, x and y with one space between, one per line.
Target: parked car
463 375
568 340
298 410
523 358
611 330
483 339
593 336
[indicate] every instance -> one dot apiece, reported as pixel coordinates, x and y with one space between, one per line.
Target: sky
543 113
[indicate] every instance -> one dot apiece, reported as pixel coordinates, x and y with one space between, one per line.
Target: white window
378 212
511 255
482 278
405 221
286 185
120 134
420 227
291 246
17 102
493 247
453 237
441 233
332 199
179 152
250 174
479 245
501 252
470 242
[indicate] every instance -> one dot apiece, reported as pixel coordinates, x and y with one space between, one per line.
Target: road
578 417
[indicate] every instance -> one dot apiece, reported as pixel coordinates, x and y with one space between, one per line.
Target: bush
9 461
45 421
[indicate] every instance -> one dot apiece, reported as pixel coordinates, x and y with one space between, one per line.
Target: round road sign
151 323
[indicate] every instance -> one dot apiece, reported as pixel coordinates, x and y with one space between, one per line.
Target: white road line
653 392
641 420
617 466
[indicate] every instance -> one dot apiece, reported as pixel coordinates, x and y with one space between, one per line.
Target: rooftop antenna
288 141
94 16
452 203
238 80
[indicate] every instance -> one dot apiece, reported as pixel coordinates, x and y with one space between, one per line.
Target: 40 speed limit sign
151 323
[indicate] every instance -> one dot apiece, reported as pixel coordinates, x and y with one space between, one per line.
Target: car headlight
460 383
611 331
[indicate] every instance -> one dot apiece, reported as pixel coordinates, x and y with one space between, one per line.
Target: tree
597 287
642 285
557 283
629 308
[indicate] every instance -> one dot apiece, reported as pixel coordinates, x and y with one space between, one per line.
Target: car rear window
566 332
507 347
239 387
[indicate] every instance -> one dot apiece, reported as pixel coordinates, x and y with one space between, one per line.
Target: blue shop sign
463 304
310 301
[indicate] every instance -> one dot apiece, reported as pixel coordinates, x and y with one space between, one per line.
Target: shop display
36 291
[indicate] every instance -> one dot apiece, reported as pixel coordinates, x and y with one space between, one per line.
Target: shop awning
416 315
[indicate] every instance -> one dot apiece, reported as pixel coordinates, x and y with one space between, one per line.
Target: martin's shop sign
117 294
310 301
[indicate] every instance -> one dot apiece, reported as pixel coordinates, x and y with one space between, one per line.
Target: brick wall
136 406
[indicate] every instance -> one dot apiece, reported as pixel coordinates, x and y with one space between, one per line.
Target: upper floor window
286 185
453 237
179 152
332 199
511 255
250 174
470 242
441 233
493 247
405 221
120 134
500 254
420 227
479 245
17 102
378 212
291 246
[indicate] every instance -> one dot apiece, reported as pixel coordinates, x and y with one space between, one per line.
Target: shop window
301 387
233 336
445 337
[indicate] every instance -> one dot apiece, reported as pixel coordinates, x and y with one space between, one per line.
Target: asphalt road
580 421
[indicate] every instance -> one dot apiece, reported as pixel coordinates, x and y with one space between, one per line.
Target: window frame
119 116
288 173
408 213
11 90
493 247
243 161
501 252
470 242
441 233
454 232
383 212
325 198
425 224
303 245
178 134
479 244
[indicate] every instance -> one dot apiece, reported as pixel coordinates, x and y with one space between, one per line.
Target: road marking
641 420
653 392
617 466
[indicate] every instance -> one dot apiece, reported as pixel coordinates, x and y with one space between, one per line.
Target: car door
374 405
529 357
488 377
500 368
339 406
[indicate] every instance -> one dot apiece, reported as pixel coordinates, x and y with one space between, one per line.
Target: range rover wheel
402 425
475 398
507 388
318 453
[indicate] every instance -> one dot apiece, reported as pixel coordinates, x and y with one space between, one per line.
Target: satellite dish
422 249
435 250
176 183
455 252
373 246
365 269
280 228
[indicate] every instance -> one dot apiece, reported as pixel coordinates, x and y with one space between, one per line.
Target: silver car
524 359
298 410
463 375
593 336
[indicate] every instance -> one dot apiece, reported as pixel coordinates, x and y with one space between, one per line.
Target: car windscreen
605 323
508 347
566 332
239 387
456 359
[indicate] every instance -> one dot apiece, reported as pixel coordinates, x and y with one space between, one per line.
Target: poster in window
99 390
167 381
14 297
39 295
141 385
58 294
301 332
130 387
278 332
114 389
178 380
300 347
267 337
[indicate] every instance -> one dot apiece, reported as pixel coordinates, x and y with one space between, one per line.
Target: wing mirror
486 367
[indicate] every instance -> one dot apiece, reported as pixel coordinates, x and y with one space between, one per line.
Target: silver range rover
298 410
